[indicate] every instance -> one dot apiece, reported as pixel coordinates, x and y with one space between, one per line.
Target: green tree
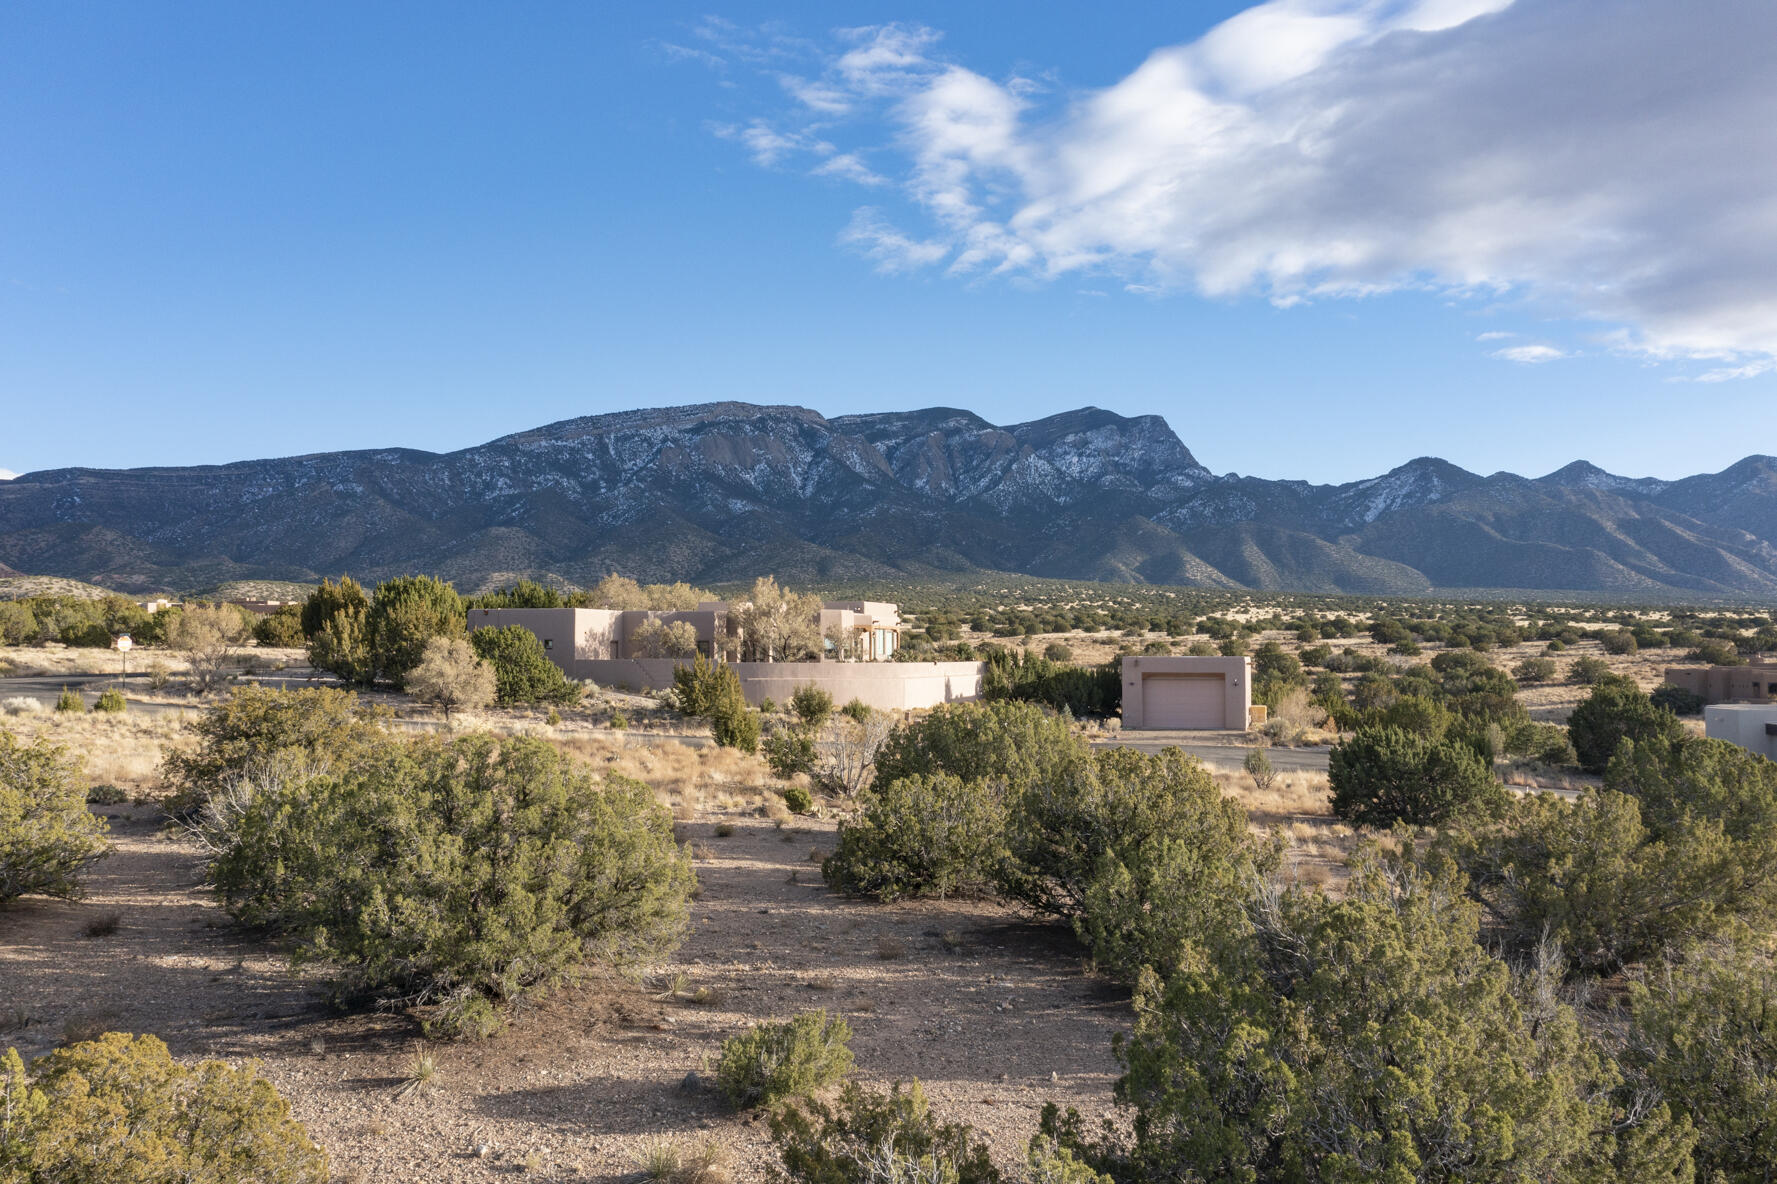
466 873
1385 775
1615 711
932 835
405 613
812 705
1015 743
1704 1033
18 624
257 727
1368 1038
1677 848
523 672
330 600
1139 850
47 835
734 724
281 629
699 685
120 1110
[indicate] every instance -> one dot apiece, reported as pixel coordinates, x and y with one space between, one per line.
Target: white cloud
1531 354
1615 163
7 474
849 166
769 145
891 250
1496 335
1733 373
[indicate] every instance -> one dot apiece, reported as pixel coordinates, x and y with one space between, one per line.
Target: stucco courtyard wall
890 686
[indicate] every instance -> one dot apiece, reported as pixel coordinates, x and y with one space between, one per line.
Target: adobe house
600 645
852 630
1753 726
1755 682
1187 694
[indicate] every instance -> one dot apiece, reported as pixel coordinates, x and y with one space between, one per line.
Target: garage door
1186 701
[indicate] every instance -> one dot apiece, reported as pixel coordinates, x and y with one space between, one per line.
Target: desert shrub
120 1110
18 624
872 1138
735 725
845 759
1055 651
71 702
209 635
1678 847
1704 1033
775 1062
318 729
1008 741
1139 850
1293 715
469 873
1418 715
1677 700
1315 655
47 835
1715 652
1616 710
1618 641
789 751
857 711
1385 775
1258 766
21 705
110 701
811 705
932 835
698 686
1079 690
798 800
1367 1038
1547 743
1532 671
282 628
452 677
523 672
1588 671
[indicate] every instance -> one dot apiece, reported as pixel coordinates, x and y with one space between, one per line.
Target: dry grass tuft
680 1163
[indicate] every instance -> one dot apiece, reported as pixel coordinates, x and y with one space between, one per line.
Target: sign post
123 644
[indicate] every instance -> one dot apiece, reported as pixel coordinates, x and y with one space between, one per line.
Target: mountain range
725 491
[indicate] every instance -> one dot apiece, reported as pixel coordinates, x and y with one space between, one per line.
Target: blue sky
1319 236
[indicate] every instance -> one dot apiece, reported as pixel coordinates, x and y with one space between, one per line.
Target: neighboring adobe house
1753 726
600 645
1187 694
1755 682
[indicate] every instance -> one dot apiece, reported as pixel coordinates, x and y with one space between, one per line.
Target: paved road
1220 749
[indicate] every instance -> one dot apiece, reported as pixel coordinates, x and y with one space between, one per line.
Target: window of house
548 644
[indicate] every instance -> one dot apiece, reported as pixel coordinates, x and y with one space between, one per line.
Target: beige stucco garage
1187 694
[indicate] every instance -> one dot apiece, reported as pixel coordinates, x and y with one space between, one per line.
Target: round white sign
123 642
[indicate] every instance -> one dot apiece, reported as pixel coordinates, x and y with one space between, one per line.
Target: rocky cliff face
727 490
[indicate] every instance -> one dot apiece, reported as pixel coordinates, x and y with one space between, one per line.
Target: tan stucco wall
1237 685
1746 724
891 686
1727 684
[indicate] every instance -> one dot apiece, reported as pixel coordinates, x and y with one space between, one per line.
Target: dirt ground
992 1013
